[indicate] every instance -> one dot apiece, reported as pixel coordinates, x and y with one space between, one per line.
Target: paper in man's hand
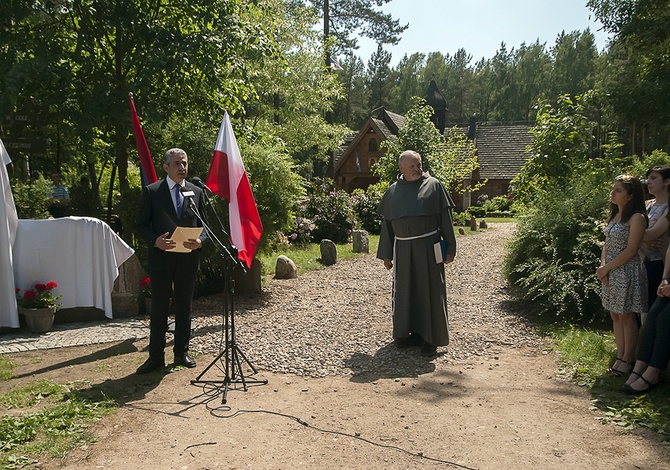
183 234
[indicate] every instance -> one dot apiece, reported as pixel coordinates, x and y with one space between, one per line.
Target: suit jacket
157 215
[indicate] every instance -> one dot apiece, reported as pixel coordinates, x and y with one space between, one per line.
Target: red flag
227 178
146 163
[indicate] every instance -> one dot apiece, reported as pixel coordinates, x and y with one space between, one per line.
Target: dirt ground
505 413
493 399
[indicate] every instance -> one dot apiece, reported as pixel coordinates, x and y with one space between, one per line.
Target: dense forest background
67 66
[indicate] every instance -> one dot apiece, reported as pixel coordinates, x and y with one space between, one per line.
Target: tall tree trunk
326 47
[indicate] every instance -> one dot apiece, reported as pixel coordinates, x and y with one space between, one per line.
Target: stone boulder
285 268
328 252
361 241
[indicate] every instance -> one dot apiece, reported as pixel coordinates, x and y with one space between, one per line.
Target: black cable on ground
214 412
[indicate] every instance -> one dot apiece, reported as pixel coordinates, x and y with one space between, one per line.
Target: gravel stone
337 321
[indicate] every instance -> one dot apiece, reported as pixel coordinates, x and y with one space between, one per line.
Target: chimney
472 131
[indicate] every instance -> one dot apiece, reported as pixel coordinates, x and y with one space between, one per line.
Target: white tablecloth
80 254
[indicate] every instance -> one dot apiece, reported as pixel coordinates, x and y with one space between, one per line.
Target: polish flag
227 178
146 163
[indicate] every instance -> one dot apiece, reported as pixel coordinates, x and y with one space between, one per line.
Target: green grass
307 258
6 367
47 419
585 356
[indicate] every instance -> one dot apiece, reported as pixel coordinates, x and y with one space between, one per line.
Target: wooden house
501 150
353 167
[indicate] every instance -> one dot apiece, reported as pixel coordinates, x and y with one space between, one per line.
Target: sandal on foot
631 391
632 373
618 372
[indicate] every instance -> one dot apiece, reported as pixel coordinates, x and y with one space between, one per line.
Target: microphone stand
231 353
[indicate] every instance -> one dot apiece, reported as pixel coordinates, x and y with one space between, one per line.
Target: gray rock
483 224
361 242
249 281
285 268
473 223
328 252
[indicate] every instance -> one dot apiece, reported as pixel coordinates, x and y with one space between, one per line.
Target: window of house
372 145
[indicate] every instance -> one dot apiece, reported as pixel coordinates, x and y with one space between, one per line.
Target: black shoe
183 360
151 365
631 391
428 350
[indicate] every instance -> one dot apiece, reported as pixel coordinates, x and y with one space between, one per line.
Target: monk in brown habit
417 215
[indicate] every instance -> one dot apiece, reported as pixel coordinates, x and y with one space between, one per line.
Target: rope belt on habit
418 236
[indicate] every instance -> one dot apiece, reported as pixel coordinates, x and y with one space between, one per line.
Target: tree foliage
451 159
561 195
346 18
561 144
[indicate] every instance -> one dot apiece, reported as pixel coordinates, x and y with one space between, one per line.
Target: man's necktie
179 198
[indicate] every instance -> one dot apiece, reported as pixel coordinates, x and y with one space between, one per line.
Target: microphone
187 193
198 182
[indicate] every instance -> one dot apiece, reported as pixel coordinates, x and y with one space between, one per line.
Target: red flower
29 294
39 296
145 282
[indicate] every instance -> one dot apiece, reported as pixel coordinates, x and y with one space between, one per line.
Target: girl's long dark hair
636 204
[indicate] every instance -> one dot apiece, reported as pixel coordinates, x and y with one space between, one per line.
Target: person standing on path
417 214
164 207
621 271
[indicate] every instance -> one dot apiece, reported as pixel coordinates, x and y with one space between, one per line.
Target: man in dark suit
164 206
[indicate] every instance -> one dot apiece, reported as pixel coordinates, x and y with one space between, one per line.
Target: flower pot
147 305
39 320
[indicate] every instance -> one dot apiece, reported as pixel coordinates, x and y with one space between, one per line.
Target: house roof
502 150
386 125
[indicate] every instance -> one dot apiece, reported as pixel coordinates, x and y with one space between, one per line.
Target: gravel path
337 321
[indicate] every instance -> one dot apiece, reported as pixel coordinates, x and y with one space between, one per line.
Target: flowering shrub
146 287
302 234
278 240
39 296
331 211
365 205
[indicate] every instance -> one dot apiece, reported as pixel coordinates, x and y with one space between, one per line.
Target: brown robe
411 209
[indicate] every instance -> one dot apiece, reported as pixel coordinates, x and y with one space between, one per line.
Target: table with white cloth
81 254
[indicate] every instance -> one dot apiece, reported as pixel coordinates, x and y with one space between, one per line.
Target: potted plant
38 305
145 293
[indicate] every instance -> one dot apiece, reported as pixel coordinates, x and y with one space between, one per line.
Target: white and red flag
146 163
227 178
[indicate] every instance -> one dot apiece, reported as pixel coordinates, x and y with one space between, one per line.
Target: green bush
477 211
365 205
31 199
331 211
497 204
556 250
277 188
461 218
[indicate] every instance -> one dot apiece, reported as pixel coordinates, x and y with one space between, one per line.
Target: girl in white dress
621 271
